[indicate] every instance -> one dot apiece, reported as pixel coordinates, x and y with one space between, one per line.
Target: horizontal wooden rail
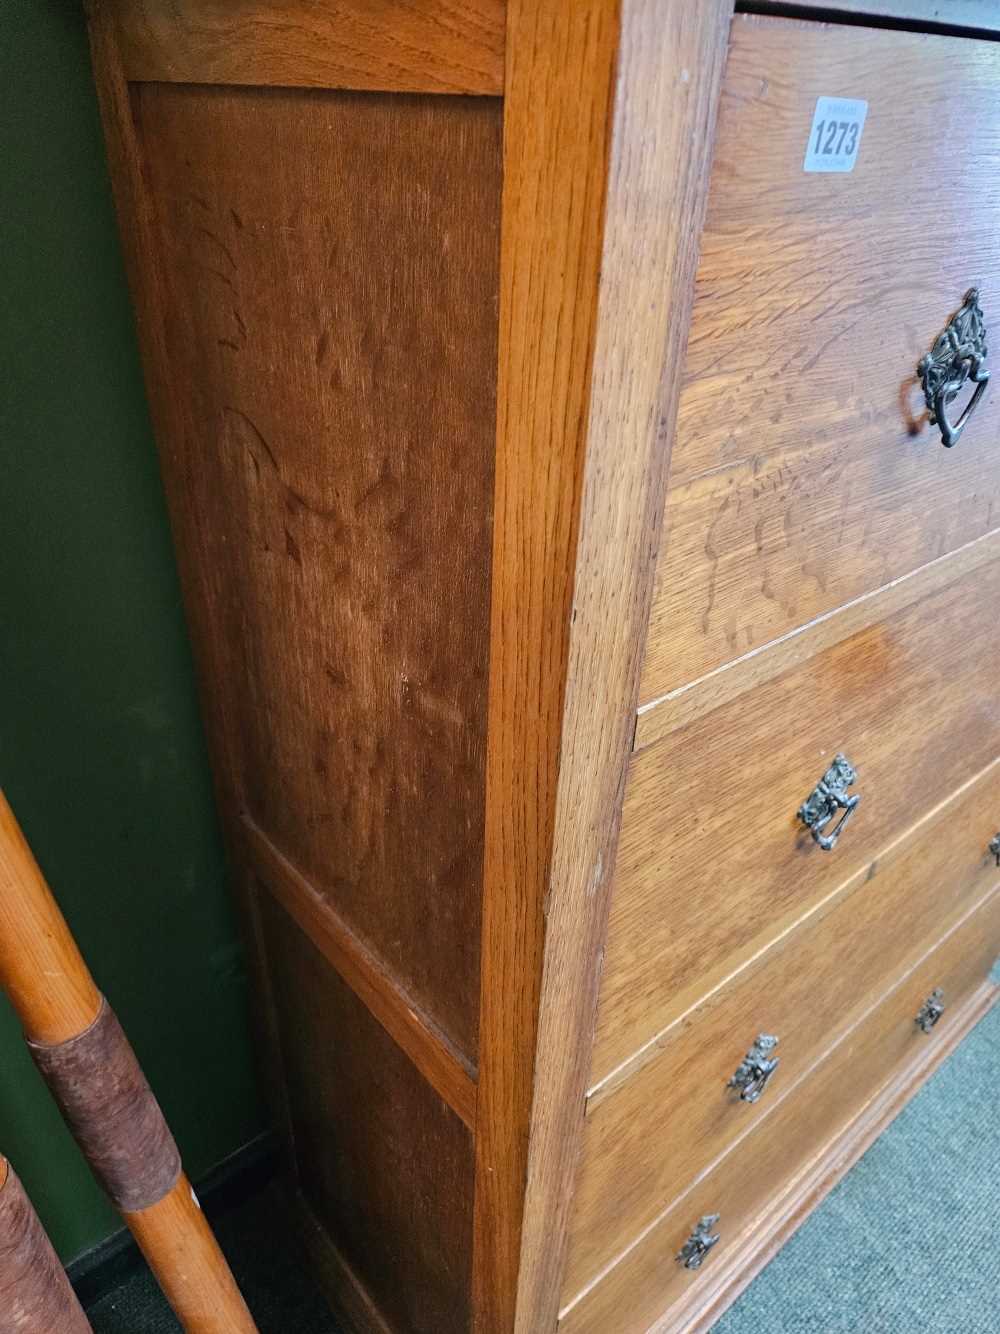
683 705
430 1051
396 46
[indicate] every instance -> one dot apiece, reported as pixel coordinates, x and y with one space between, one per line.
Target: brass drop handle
931 1011
958 354
755 1070
699 1243
827 798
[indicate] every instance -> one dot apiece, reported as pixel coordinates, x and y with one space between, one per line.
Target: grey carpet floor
907 1243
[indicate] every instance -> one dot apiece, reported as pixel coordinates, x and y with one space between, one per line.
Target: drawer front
805 472
713 863
649 1136
747 1186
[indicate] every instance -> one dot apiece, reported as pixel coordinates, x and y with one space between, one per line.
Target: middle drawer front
646 1139
713 863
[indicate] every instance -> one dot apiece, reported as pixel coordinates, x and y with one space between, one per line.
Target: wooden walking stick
88 1063
35 1293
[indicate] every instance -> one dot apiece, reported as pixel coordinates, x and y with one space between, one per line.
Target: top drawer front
804 470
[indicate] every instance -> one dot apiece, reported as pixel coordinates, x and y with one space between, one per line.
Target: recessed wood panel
328 266
383 1162
808 990
713 864
804 471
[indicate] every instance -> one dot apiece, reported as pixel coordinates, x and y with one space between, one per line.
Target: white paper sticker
835 136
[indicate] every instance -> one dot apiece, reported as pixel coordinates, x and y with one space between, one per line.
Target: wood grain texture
386 1166
181 1250
430 1051
434 46
781 1168
336 490
758 1245
41 969
804 472
713 863
979 16
362 358
582 428
814 984
137 233
705 1001
347 1295
688 702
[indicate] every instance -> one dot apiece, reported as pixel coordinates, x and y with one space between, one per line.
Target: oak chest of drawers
584 468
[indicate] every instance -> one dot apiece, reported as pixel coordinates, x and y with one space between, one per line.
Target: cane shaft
92 1072
41 969
176 1239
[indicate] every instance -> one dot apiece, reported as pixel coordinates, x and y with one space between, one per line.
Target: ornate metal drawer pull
756 1068
827 798
995 848
700 1242
958 355
931 1010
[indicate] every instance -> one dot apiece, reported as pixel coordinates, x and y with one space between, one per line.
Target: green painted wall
101 750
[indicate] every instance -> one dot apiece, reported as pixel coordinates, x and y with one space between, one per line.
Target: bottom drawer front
755 1182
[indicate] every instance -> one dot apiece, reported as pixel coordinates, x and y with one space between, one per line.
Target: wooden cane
35 1293
88 1063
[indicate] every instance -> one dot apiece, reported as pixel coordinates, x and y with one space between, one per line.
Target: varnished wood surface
336 489
713 863
560 55
754 1187
347 1295
41 969
137 233
385 1165
433 1055
813 985
181 1250
583 426
434 46
804 472
759 1244
684 705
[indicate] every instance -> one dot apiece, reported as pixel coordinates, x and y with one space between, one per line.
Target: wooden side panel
434 46
384 1164
609 113
805 472
328 271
